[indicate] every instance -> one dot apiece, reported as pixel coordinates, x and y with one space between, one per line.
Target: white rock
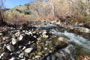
0 33
23 59
28 50
20 37
35 36
45 48
5 38
2 55
10 47
24 48
29 33
45 36
44 31
14 41
17 33
13 58
83 29
64 38
21 55
37 56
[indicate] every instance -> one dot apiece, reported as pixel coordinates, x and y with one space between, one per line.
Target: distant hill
50 10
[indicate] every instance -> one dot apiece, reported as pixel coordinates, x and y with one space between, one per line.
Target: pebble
40 53
21 55
45 48
20 37
4 56
28 50
1 55
5 38
45 36
0 33
63 38
17 33
10 47
14 41
37 56
13 58
23 59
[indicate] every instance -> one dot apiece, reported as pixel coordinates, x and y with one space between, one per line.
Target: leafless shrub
1 13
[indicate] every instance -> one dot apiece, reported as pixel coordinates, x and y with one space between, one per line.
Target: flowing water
77 45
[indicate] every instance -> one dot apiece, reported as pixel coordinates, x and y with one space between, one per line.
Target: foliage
81 18
27 13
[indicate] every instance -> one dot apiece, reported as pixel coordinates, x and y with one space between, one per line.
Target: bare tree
1 13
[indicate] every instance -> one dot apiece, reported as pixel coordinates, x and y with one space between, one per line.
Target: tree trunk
1 13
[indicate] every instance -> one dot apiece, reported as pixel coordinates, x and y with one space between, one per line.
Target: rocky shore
35 41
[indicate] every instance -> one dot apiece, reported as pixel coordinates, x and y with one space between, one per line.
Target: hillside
52 9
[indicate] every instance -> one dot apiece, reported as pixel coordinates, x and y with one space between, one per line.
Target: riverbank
41 41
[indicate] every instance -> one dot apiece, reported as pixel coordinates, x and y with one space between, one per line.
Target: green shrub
27 13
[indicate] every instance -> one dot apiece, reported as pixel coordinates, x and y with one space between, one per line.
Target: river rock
83 29
28 50
13 58
10 47
63 38
37 56
45 36
59 44
4 56
0 33
21 55
17 33
14 41
20 37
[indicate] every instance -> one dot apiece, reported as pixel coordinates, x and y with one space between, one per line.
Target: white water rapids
79 40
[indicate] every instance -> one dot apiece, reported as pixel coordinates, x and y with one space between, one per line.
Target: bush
27 13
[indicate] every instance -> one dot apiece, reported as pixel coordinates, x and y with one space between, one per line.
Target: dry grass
81 18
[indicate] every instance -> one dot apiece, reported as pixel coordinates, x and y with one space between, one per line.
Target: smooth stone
83 29
5 38
44 35
45 48
23 48
13 58
37 56
17 33
21 55
10 47
1 55
29 33
28 50
14 41
63 38
4 56
0 33
20 37
40 53
23 59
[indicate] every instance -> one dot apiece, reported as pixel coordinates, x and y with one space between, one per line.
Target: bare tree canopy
1 13
1 4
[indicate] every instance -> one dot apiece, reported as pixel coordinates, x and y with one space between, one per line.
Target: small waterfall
78 40
68 51
71 51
